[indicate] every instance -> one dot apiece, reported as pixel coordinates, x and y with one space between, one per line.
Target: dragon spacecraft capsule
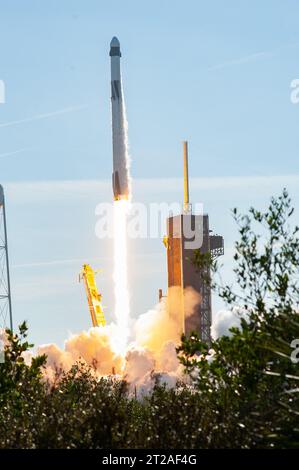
120 175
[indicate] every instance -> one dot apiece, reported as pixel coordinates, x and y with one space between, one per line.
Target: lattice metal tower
5 295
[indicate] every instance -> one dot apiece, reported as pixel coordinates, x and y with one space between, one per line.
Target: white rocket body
120 175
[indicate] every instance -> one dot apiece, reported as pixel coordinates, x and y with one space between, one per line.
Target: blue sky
217 73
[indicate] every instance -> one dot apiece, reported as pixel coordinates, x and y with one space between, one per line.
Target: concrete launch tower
181 271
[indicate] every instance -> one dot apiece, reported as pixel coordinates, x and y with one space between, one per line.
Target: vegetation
243 389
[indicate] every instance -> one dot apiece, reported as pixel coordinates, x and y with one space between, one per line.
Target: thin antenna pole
186 178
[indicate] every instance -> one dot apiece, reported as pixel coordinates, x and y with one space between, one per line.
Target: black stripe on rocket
115 89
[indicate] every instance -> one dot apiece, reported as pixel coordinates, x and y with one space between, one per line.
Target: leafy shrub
242 394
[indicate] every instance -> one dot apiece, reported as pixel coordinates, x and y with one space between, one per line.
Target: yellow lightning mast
94 298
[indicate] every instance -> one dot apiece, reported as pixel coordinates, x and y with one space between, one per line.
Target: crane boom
94 298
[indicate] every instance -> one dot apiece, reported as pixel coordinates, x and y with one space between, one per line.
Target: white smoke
125 142
149 359
3 337
226 319
94 347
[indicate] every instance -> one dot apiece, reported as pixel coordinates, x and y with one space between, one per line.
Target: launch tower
181 271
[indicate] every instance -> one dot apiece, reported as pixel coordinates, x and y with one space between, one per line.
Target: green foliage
249 376
13 371
20 389
243 392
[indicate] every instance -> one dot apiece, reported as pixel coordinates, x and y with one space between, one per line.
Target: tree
21 390
249 376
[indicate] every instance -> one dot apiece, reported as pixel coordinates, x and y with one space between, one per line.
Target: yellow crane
94 298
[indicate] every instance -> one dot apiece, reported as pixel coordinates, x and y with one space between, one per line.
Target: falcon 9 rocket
120 176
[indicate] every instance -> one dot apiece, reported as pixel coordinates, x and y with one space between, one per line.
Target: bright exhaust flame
119 342
120 277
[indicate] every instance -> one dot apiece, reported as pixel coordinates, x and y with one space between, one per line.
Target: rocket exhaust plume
120 277
156 334
122 193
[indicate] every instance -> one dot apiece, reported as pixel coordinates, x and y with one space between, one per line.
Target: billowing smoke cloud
93 347
224 320
145 368
160 324
191 300
3 342
3 337
150 358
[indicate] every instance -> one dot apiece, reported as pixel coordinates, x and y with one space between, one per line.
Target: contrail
58 262
15 152
43 116
252 57
241 60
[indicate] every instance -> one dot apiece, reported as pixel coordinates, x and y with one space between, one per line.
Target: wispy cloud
41 264
146 190
252 57
79 261
241 60
15 152
148 184
37 117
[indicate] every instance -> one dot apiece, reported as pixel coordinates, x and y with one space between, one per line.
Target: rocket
120 175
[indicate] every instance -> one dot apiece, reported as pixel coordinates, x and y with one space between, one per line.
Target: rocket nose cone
115 47
114 42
